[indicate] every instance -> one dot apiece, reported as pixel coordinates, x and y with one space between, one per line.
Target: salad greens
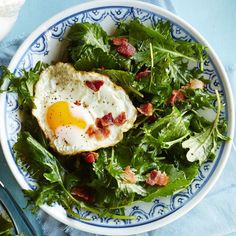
6 225
204 144
174 140
23 86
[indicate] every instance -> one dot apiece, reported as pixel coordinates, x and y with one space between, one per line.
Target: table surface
215 20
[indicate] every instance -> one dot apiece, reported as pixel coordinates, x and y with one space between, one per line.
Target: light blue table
215 20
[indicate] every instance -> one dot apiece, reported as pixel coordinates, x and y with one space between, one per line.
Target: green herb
24 85
204 144
88 34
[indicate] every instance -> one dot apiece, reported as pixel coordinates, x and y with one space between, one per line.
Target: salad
156 157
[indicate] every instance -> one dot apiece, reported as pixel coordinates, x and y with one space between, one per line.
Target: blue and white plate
47 43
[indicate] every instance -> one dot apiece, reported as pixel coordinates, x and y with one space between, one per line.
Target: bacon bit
126 50
157 178
142 74
119 41
177 95
146 109
129 176
120 119
95 85
82 194
77 102
123 47
98 122
94 132
90 131
90 157
98 133
102 130
105 131
102 133
107 120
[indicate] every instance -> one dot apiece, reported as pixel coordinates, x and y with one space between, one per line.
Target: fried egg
70 104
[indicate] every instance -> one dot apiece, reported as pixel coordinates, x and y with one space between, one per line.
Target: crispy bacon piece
95 85
126 50
90 131
98 123
99 133
105 131
156 177
102 133
119 41
82 194
102 125
142 74
77 102
128 175
106 120
120 119
123 47
94 132
90 157
146 109
177 95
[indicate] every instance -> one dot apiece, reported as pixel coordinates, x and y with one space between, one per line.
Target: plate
47 43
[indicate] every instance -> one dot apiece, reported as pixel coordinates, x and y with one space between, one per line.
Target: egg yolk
59 114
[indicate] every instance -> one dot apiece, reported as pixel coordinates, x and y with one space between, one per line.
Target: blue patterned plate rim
219 163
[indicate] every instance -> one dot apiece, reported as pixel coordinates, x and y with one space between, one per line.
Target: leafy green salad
170 139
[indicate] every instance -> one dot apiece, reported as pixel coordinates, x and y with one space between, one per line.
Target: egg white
61 82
